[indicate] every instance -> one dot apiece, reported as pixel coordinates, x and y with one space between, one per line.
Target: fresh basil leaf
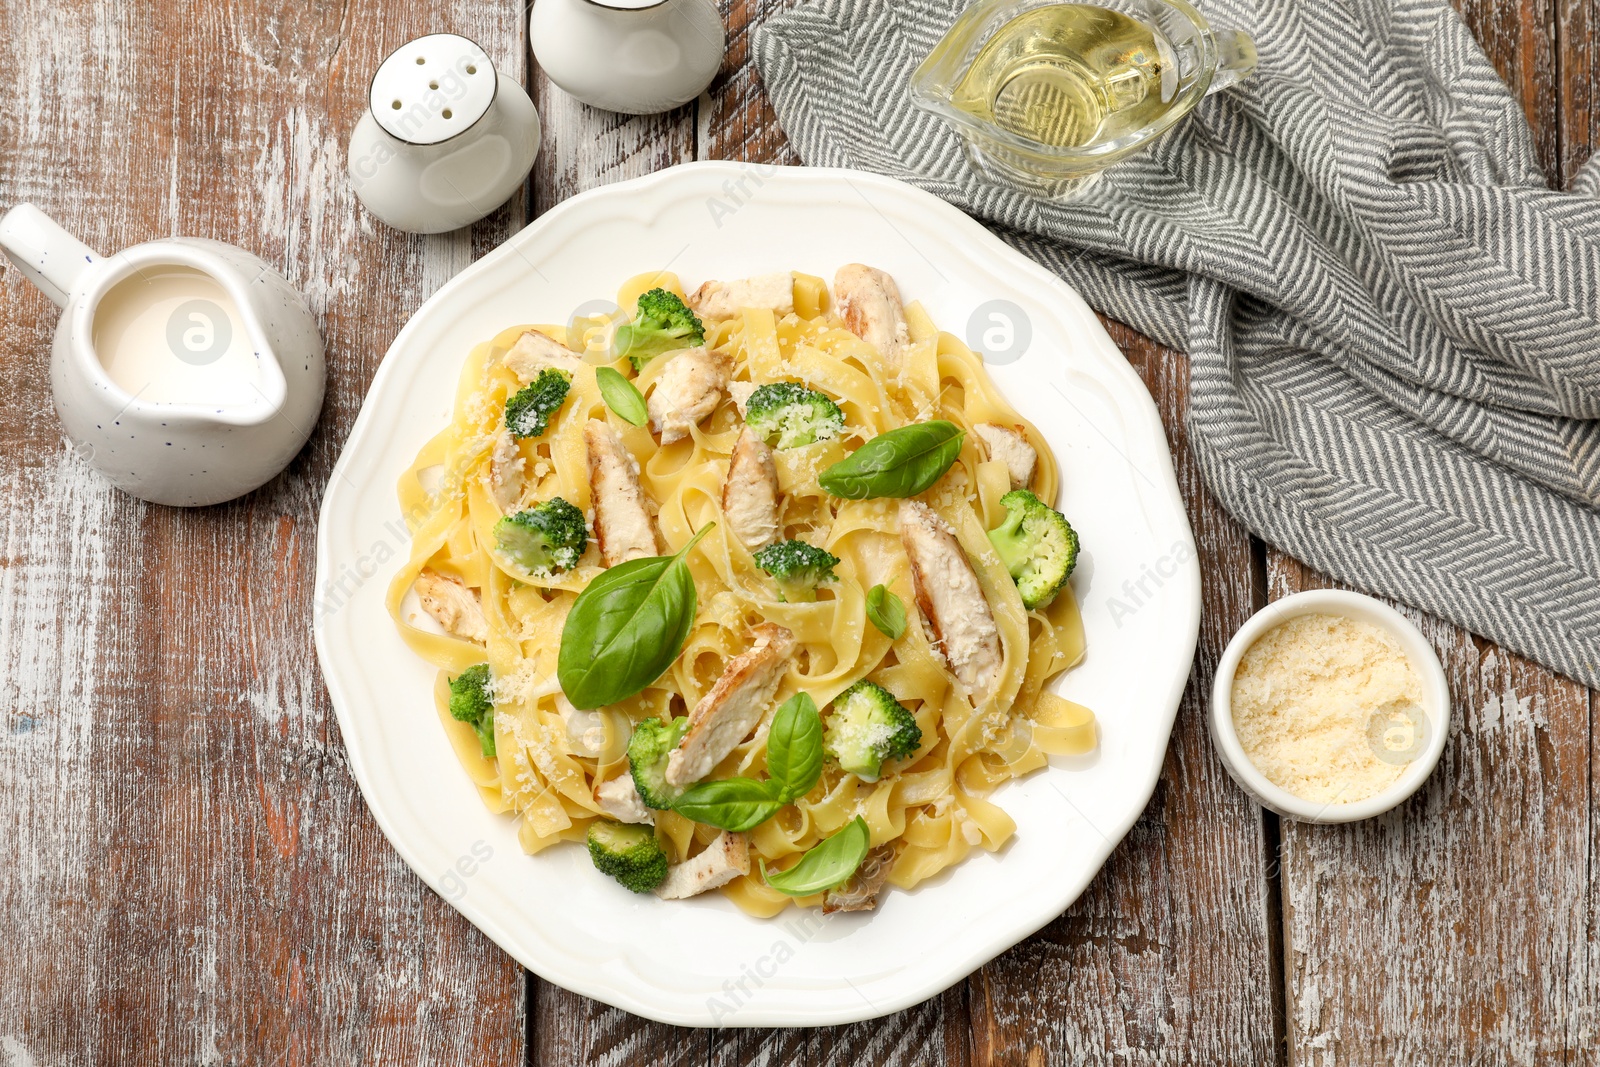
622 396
794 748
626 628
887 612
829 864
736 804
900 463
794 763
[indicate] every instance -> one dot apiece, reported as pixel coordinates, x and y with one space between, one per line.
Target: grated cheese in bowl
1328 708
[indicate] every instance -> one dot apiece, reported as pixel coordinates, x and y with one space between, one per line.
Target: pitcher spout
272 394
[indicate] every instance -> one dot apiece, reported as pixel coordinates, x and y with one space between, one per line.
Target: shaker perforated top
433 88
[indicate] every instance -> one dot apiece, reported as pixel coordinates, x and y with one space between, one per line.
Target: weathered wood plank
1577 64
1015 1015
734 123
569 1029
1520 39
737 122
192 876
1169 957
584 148
1459 929
735 118
1462 928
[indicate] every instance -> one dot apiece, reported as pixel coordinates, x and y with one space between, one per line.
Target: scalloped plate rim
1141 422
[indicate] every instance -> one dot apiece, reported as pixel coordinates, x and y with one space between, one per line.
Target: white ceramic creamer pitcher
186 371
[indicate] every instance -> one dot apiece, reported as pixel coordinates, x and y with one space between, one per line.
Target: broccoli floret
1037 545
470 703
788 415
628 853
528 412
652 742
867 726
662 323
544 539
798 568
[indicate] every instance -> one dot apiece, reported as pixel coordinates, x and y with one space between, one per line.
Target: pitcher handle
1236 58
48 256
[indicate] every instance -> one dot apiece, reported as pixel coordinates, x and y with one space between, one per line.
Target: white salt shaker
639 57
446 138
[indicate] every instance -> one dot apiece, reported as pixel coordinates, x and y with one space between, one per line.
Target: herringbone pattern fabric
1393 324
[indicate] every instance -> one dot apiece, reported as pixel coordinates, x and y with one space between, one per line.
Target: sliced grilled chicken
869 302
505 470
750 492
726 858
1010 446
622 523
860 893
741 393
452 605
535 352
619 799
724 300
726 715
947 590
689 389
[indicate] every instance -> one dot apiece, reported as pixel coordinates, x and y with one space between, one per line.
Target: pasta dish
756 589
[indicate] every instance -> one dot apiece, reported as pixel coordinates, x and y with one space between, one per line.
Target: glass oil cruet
1047 95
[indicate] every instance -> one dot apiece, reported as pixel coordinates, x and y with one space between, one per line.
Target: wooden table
190 875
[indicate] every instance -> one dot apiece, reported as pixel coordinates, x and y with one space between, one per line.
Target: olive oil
1070 75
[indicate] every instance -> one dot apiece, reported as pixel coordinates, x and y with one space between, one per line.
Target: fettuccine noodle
932 806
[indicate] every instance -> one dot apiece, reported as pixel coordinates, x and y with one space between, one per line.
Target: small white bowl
1435 704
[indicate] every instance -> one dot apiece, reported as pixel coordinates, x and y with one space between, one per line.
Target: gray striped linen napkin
1391 319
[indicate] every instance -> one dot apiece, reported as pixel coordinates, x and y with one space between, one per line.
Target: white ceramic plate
703 962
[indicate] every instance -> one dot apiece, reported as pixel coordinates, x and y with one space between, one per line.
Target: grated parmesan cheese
1327 707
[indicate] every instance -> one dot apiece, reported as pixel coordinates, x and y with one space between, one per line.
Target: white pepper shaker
639 57
446 138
